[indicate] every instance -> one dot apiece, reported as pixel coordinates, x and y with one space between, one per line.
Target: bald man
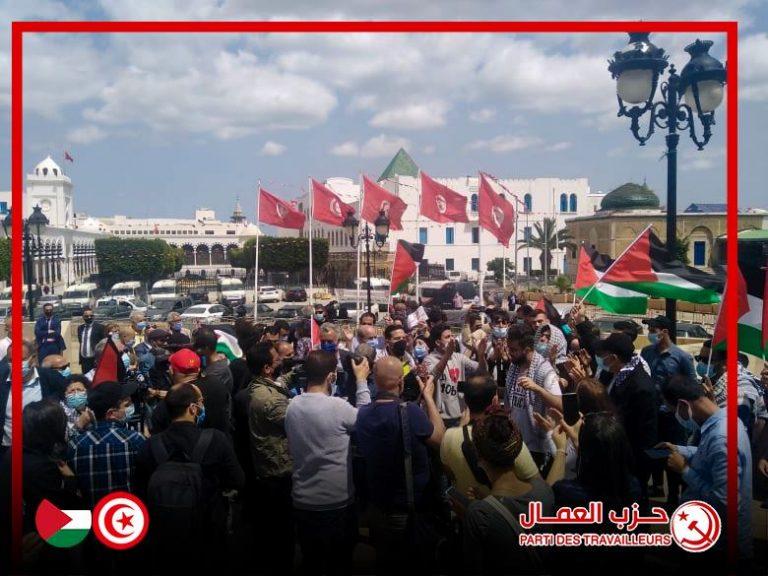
58 363
381 445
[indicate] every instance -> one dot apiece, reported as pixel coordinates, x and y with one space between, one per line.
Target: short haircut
87 309
471 318
45 426
329 329
389 330
318 365
259 356
526 311
205 338
48 305
681 387
436 316
281 324
367 314
272 330
498 440
523 334
499 316
179 398
436 333
479 392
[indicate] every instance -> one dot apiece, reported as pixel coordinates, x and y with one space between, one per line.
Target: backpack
175 490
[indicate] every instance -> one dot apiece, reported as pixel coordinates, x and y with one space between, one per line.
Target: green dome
630 196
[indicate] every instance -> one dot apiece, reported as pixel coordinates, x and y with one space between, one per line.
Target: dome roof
48 168
630 196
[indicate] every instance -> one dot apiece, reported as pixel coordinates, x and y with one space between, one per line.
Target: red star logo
125 521
683 516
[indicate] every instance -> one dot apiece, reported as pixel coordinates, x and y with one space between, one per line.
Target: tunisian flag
496 214
440 203
376 199
327 207
407 257
278 212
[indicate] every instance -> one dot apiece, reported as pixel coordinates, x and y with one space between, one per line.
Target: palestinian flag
227 344
752 314
644 267
62 528
610 298
407 257
111 367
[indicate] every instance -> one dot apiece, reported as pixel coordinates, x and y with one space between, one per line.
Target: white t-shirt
449 400
522 403
5 343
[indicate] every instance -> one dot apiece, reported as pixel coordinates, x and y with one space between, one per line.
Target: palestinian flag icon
644 267
610 298
62 528
407 258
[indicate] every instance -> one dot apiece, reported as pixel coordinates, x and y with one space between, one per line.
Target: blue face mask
328 346
177 326
200 418
542 348
566 329
66 373
689 424
319 317
600 364
420 352
203 361
141 326
704 370
77 400
500 332
653 337
130 410
126 361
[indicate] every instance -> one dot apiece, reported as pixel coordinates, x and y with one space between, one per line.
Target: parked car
296 294
290 312
351 310
270 294
690 330
52 299
206 312
69 311
115 311
160 309
605 323
264 310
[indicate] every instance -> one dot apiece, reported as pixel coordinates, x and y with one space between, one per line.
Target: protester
498 353
75 406
215 381
5 342
48 334
103 457
89 333
396 344
318 427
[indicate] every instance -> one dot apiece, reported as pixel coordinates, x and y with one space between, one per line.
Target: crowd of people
259 451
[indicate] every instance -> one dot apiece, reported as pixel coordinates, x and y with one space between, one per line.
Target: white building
205 240
458 246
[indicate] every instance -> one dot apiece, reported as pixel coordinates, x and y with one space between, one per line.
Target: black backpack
175 491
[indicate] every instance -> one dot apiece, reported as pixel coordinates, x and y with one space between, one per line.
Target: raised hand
361 369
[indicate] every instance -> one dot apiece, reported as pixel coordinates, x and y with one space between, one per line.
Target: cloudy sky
161 124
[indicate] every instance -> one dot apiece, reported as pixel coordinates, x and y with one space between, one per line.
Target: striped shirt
104 459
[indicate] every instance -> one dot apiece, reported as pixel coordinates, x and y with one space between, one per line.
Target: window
209 232
527 264
3 207
563 202
476 264
449 235
528 201
574 203
475 235
423 236
473 202
448 264
700 253
527 234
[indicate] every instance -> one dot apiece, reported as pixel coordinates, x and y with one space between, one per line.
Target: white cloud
505 143
376 147
483 115
559 146
86 134
271 148
753 67
412 116
429 149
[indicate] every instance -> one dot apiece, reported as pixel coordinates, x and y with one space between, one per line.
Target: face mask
500 332
115 337
328 346
177 326
566 329
66 373
141 326
26 369
600 364
200 418
704 370
130 410
653 337
88 319
420 352
126 361
689 424
398 348
203 361
320 317
77 400
542 348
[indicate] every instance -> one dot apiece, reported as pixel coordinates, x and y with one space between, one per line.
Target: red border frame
729 28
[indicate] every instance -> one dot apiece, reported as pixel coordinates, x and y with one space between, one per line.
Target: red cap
185 361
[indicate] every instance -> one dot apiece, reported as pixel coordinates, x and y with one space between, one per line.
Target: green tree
682 245
136 259
563 283
546 237
497 267
5 259
281 254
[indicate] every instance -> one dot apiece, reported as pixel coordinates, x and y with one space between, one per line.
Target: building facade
465 246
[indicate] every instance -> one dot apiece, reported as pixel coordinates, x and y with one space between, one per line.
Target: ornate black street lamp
378 236
36 223
693 94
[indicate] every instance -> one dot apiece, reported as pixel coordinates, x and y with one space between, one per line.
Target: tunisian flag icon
277 212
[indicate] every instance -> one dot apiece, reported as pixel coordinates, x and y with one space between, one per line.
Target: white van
128 290
81 294
232 291
376 283
5 296
164 290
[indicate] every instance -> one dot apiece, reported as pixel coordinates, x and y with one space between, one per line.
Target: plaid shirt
103 459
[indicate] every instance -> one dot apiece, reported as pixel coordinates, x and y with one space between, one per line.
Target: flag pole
418 239
480 276
256 270
311 217
359 244
614 262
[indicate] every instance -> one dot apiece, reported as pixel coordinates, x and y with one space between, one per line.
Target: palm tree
546 237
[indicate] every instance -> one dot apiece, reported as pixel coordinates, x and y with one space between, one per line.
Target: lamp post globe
381 227
637 69
702 80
